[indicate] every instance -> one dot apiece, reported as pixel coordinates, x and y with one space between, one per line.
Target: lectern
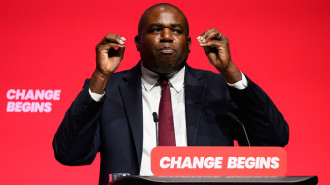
232 180
217 165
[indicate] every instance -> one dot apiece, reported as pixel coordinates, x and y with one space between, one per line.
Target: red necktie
165 114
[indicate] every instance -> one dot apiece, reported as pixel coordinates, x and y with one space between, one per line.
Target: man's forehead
164 18
163 14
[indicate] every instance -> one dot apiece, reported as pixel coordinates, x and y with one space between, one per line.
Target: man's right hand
108 59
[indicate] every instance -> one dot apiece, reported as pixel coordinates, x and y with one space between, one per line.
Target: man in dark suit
113 113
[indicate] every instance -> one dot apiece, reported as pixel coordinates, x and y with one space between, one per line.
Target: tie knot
163 81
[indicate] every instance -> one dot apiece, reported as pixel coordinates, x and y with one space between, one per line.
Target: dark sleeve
264 123
77 139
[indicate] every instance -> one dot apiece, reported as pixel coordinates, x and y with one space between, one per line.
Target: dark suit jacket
114 125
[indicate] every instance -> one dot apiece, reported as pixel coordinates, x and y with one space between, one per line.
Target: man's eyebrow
155 25
160 25
177 25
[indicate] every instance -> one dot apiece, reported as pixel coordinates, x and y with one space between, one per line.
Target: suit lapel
131 93
194 92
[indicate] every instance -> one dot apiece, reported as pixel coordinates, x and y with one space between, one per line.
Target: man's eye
156 30
176 31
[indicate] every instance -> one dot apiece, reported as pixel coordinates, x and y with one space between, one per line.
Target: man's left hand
216 47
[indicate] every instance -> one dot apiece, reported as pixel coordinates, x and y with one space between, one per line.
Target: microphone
155 116
233 117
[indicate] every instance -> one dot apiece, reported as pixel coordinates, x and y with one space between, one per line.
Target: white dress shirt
151 93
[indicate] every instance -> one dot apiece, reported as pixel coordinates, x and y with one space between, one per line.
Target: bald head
161 7
163 39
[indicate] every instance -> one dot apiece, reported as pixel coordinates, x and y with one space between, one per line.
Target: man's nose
166 35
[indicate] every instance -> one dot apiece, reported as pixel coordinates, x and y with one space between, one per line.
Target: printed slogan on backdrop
31 100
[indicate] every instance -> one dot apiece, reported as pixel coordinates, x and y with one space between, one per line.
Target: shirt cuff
240 85
95 96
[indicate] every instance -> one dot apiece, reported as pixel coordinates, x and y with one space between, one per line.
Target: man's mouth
166 50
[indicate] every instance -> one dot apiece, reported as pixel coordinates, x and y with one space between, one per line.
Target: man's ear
189 42
137 42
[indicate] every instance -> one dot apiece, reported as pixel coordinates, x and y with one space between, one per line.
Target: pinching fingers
114 38
212 43
211 34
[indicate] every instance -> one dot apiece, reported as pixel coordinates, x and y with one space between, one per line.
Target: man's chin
165 70
164 65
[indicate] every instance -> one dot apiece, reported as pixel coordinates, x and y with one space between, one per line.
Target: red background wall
282 45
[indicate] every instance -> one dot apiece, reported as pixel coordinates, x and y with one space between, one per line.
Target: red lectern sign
218 161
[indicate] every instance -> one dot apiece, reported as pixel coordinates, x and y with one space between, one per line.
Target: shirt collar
149 79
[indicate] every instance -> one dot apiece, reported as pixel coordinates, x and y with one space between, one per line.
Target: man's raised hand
109 53
216 47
